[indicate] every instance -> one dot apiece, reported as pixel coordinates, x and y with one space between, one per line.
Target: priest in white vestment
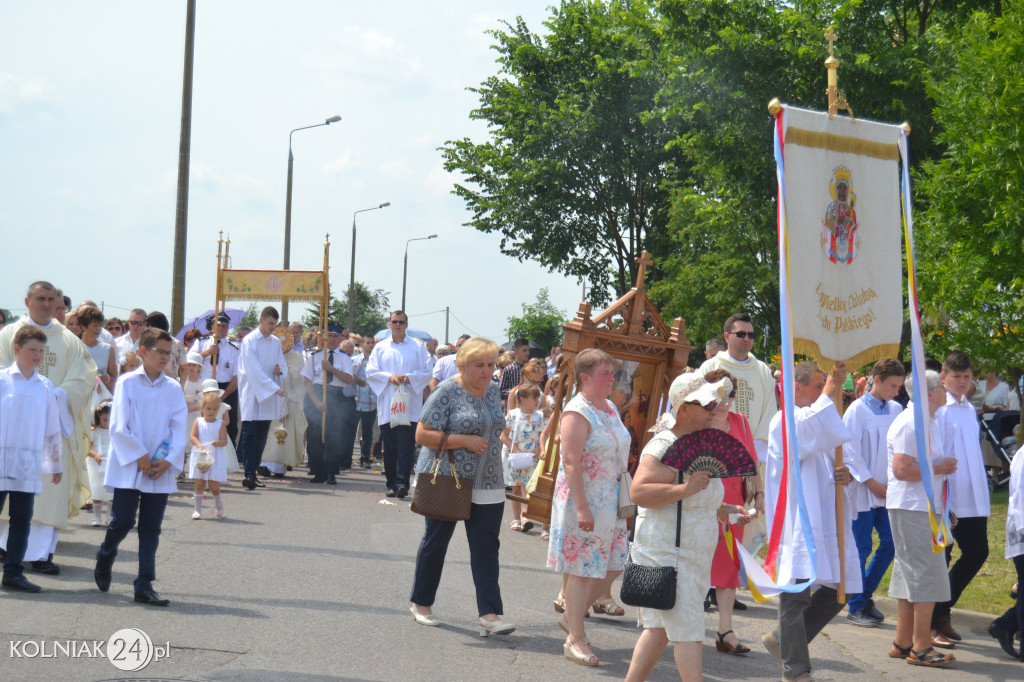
820 430
71 370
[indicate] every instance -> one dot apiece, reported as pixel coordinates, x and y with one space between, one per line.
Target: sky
90 110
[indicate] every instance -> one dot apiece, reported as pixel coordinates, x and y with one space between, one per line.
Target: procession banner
842 194
272 285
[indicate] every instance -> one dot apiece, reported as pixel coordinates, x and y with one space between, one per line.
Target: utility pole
184 155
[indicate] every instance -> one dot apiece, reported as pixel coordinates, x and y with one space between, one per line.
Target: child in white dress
521 437
190 384
96 462
207 463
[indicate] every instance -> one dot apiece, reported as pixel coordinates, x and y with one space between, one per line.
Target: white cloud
15 91
342 163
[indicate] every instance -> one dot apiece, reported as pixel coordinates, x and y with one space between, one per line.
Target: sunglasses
399 322
159 351
744 335
134 323
113 328
710 407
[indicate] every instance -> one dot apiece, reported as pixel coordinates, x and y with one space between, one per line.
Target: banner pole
325 303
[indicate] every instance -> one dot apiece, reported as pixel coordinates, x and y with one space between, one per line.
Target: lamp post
405 265
288 205
352 270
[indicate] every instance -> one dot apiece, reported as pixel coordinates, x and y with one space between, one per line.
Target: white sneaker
97 522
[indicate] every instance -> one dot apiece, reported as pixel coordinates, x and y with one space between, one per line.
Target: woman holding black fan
692 503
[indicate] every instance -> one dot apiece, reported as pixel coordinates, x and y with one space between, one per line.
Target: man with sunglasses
129 341
395 361
755 385
71 370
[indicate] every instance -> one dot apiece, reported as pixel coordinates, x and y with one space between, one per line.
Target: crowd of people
122 409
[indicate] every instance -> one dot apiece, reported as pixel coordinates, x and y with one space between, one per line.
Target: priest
71 370
820 430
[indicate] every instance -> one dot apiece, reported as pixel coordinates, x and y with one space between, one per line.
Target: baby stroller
998 446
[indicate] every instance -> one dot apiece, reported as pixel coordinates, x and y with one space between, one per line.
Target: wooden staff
325 303
837 398
216 306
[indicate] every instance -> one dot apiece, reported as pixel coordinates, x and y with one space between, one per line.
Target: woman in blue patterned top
468 408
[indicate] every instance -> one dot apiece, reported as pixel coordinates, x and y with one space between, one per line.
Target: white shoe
196 515
497 627
422 619
97 522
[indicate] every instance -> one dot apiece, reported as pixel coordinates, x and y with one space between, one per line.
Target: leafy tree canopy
372 310
541 322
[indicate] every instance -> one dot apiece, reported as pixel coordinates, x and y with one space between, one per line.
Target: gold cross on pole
643 261
831 37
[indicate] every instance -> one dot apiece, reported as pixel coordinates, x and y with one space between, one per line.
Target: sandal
931 661
898 651
560 606
570 651
545 534
609 608
727 648
516 525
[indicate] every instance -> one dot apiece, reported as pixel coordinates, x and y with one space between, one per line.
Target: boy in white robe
820 430
261 371
868 418
30 442
148 423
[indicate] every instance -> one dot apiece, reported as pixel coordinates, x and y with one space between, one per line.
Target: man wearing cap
398 360
220 349
323 442
349 414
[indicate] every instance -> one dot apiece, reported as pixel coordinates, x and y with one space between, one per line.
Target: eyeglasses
743 335
399 322
159 351
113 328
136 323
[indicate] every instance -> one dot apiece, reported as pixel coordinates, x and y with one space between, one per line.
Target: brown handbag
446 498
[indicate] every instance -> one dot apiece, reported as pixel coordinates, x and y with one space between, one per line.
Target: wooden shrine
648 356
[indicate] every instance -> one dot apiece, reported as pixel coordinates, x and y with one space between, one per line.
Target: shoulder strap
679 516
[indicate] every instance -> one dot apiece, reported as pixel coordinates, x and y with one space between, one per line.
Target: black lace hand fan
710 450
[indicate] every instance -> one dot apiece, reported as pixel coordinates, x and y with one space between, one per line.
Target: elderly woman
696 502
919 578
468 408
588 539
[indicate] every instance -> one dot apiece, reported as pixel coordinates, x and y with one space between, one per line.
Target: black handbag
651 587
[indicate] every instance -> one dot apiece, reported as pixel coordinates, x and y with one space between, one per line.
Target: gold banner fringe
842 143
267 296
865 357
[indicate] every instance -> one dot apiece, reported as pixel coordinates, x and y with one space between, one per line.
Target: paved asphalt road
311 582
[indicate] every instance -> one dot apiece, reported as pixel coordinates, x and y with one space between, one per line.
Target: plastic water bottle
161 452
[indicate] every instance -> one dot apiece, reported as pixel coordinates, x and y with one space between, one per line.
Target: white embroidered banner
842 211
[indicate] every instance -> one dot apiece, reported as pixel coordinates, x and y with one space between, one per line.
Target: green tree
372 310
251 319
541 322
573 173
970 248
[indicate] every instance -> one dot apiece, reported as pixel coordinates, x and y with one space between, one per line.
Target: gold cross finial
831 37
643 261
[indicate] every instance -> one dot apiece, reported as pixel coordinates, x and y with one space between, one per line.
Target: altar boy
148 423
820 430
30 442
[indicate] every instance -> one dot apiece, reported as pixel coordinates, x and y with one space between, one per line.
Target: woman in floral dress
588 539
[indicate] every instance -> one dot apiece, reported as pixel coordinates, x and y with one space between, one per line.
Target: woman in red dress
724 567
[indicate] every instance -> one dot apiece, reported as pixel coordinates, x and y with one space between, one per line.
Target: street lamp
405 265
352 270
288 205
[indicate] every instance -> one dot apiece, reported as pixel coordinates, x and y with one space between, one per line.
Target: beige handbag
627 509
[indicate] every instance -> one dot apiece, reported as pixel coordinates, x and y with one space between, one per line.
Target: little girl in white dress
96 462
207 461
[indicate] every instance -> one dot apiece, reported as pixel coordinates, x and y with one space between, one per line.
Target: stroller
997 431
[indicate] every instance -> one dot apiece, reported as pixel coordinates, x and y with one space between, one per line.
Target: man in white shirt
323 442
755 385
260 399
220 349
398 360
129 342
348 414
445 368
968 490
296 329
819 430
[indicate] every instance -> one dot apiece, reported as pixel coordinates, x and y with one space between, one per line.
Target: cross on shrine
643 261
831 37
